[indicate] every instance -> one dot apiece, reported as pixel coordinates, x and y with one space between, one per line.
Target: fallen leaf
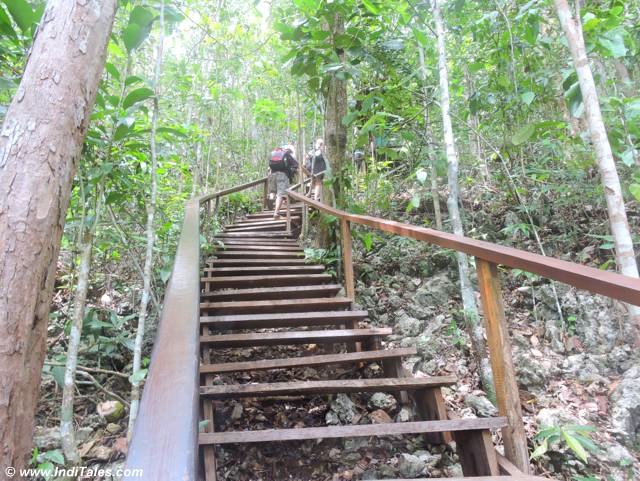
380 417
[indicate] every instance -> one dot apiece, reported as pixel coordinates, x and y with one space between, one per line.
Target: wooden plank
256 229
254 263
504 377
293 362
350 431
306 388
284 305
259 254
257 223
347 258
294 319
255 271
253 235
265 281
259 247
476 453
292 337
610 284
259 241
263 293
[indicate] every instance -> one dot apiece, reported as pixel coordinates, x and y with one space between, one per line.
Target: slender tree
41 141
476 330
625 255
151 210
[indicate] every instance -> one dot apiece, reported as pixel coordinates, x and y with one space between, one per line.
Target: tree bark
427 136
40 143
67 428
476 331
336 109
151 210
625 255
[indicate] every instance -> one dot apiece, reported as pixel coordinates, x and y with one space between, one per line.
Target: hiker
314 165
283 166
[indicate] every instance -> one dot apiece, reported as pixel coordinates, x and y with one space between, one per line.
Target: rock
83 434
380 417
46 439
354 444
583 367
113 428
407 325
111 411
237 411
101 453
436 290
410 466
614 453
548 417
481 406
342 410
404 415
625 407
382 400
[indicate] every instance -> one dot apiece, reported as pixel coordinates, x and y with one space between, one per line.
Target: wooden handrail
165 436
610 284
488 257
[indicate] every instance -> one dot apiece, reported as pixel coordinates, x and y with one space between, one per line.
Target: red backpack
278 162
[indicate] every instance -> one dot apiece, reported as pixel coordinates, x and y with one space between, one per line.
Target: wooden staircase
258 283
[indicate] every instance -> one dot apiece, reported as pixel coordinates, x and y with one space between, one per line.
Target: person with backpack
283 166
315 165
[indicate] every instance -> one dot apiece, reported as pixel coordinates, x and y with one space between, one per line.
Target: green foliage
577 439
328 257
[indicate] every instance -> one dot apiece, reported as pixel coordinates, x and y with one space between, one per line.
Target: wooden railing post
265 193
288 214
504 376
347 260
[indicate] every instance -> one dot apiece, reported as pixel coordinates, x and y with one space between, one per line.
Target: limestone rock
342 410
625 412
46 439
407 325
436 290
383 401
481 406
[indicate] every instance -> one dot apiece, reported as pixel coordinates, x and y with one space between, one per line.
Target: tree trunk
476 330
427 137
67 429
148 262
40 144
625 255
336 109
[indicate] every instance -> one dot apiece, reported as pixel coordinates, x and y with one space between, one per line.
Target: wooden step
269 214
256 229
309 388
230 281
253 235
278 222
259 254
266 217
308 361
292 337
271 271
253 263
264 293
259 242
352 431
260 248
285 305
293 319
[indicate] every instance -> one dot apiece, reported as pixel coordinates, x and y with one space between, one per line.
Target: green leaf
420 37
613 42
54 456
115 73
635 191
421 175
5 23
139 27
165 273
21 12
523 134
540 450
527 97
575 446
372 7
136 96
138 375
58 374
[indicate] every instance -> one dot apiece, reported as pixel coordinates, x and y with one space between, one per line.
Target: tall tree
40 144
625 255
136 378
476 331
335 111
